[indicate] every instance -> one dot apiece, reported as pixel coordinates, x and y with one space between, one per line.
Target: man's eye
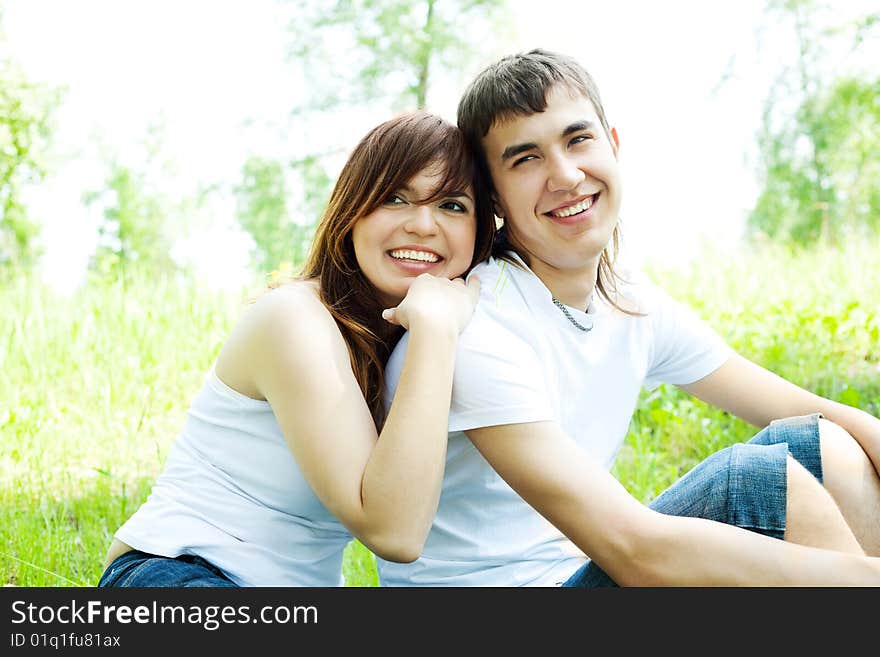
525 158
580 139
455 206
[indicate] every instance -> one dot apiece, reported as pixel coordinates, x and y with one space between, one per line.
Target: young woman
549 370
287 452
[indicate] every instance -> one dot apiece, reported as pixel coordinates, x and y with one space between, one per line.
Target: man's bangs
527 99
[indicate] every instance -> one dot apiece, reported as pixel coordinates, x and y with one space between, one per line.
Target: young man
549 370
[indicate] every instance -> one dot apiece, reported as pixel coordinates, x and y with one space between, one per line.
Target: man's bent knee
852 481
812 516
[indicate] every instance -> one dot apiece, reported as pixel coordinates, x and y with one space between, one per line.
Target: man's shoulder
503 307
636 292
501 330
491 273
501 286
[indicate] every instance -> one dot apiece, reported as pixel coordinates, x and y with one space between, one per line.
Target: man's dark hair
517 85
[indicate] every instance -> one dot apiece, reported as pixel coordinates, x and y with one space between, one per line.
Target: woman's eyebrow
457 193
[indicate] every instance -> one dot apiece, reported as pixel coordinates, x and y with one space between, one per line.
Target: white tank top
232 493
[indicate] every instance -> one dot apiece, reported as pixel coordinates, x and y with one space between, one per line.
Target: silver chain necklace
578 325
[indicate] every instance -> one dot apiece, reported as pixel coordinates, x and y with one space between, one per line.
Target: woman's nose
422 221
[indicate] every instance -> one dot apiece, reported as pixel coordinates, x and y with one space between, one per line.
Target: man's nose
564 174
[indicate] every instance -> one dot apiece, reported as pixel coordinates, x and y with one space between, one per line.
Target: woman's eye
455 206
394 199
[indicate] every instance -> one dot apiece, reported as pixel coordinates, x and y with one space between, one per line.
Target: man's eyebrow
577 126
516 149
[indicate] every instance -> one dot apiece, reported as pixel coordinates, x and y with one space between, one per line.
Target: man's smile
573 211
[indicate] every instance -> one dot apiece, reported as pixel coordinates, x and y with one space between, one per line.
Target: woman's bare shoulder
287 324
293 309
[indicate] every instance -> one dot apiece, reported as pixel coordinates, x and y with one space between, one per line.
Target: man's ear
496 207
615 141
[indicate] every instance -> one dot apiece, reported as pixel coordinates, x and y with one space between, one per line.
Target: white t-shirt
232 493
519 360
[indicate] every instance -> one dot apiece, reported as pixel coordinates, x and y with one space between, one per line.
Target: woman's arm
758 396
638 546
383 488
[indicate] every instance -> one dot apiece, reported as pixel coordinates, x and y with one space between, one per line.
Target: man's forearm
698 552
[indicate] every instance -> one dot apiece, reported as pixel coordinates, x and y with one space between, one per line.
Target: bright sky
205 68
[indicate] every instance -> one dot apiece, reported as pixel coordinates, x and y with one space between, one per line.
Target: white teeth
406 254
574 209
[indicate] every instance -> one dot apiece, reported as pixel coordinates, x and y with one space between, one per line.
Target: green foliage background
94 388
26 111
820 131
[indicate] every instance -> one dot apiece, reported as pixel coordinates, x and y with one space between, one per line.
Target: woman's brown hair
385 160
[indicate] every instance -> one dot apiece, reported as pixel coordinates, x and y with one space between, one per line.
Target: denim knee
702 492
801 434
743 485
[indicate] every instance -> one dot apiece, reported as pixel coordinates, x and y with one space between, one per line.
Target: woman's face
405 237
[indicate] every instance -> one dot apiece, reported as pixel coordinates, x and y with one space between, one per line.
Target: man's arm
758 396
640 547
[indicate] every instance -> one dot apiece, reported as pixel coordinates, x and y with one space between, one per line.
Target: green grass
811 317
94 388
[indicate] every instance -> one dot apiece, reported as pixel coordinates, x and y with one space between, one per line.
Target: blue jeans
136 568
743 485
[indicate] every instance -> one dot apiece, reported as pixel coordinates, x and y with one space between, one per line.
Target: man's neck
573 287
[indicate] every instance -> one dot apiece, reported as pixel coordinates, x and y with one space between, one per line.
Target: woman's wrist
434 327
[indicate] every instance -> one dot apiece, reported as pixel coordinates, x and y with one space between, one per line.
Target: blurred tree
355 51
133 230
26 110
139 221
848 143
263 212
375 56
820 135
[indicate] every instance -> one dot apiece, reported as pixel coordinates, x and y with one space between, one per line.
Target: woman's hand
436 301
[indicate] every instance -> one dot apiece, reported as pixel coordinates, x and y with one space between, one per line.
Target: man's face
557 182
